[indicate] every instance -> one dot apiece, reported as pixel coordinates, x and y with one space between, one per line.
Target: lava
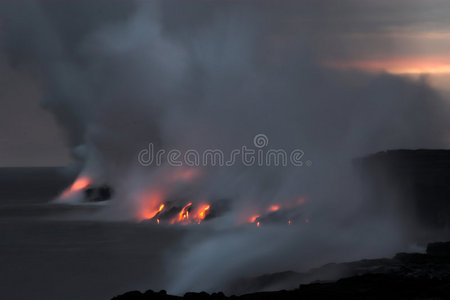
153 205
203 212
79 184
161 211
161 207
254 218
157 204
189 215
183 215
277 213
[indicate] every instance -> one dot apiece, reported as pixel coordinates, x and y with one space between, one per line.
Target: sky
30 135
404 37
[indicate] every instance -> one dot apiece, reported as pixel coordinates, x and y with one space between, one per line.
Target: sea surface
46 253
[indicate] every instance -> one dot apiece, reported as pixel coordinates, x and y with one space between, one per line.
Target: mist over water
213 77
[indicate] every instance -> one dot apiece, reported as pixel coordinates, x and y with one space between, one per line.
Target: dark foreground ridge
405 276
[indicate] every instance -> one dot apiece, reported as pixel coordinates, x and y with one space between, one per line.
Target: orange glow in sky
417 65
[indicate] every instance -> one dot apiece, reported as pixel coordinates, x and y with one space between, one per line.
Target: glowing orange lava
152 205
183 215
189 215
284 206
153 214
79 184
203 212
253 219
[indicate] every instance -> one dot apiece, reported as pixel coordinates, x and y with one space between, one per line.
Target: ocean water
46 254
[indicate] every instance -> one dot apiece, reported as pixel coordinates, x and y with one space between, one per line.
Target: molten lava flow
79 184
153 214
203 212
282 210
183 215
253 219
152 205
189 214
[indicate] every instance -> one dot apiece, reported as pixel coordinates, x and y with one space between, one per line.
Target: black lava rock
98 193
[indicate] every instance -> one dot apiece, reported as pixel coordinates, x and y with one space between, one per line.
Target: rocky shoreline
405 276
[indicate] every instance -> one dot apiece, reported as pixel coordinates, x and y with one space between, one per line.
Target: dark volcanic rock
98 193
405 276
417 182
375 286
439 249
136 295
368 286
